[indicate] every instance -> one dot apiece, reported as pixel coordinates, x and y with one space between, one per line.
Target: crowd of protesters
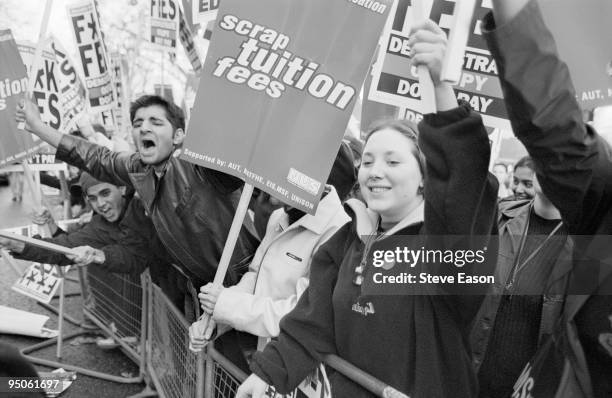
295 290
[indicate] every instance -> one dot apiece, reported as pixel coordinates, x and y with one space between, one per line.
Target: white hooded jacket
279 272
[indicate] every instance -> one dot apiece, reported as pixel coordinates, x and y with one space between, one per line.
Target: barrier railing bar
362 378
232 369
200 375
60 318
148 345
143 322
209 377
78 369
203 387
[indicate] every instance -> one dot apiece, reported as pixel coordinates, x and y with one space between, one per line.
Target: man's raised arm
28 113
100 162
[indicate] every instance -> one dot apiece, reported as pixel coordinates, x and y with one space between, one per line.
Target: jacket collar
518 221
517 214
513 208
144 183
367 220
318 222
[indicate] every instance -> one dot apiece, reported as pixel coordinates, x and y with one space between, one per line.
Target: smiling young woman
392 170
414 342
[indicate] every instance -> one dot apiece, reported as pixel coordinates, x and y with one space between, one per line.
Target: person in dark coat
191 207
531 281
574 167
118 222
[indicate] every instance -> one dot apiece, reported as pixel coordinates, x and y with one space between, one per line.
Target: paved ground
78 351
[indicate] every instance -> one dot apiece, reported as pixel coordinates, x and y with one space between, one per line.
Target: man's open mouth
146 143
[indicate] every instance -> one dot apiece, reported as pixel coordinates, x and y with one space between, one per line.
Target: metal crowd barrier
154 334
223 377
226 377
117 304
114 302
176 372
169 338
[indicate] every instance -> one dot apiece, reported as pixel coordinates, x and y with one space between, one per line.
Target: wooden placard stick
452 65
428 95
36 194
201 324
38 243
37 53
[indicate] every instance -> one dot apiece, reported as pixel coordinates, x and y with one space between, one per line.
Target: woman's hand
427 47
198 338
253 387
208 297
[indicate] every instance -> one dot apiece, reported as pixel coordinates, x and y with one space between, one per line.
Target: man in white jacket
279 272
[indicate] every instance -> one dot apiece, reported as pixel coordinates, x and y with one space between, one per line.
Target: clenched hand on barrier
253 387
85 255
200 333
